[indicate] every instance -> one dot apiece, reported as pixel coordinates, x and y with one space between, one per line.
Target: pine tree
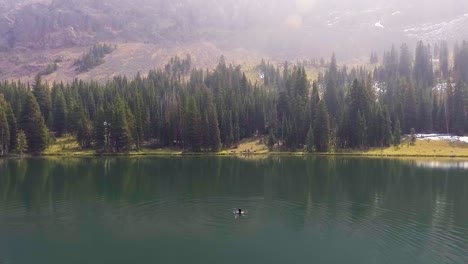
322 129
423 69
42 94
229 129
387 128
4 132
404 67
461 63
362 131
459 113
236 129
444 60
101 132
12 124
360 112
450 109
314 101
7 127
413 136
271 140
121 136
391 63
22 143
425 122
215 138
194 133
410 112
32 123
59 113
310 142
84 134
205 128
331 89
397 134
132 128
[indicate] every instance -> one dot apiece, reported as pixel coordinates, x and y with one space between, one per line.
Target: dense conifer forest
205 111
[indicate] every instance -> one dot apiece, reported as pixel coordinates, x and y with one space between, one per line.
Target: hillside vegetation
343 109
94 57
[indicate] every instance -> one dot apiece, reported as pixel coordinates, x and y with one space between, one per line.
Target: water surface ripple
180 210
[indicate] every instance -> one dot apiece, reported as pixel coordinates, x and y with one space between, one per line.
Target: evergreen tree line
210 110
91 59
203 112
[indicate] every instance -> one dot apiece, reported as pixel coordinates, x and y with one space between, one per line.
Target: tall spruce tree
423 69
33 125
459 109
121 136
4 132
387 128
360 112
322 129
310 141
22 143
331 89
444 60
397 134
215 139
194 133
59 112
410 110
405 63
7 127
12 124
314 102
84 134
42 94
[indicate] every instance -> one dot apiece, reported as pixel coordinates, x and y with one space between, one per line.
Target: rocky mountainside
68 23
35 32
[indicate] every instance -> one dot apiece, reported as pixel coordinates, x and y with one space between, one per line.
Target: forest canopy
196 110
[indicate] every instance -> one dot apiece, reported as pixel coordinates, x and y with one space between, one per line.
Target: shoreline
248 148
239 155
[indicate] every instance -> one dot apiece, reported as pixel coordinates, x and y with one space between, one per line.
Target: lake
180 210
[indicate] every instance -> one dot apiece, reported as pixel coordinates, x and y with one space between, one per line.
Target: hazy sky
299 27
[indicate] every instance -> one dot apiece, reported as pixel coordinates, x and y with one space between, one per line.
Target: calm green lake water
179 210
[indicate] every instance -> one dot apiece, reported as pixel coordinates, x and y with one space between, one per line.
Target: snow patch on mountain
443 30
379 24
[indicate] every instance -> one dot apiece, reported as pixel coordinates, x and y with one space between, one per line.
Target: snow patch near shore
446 137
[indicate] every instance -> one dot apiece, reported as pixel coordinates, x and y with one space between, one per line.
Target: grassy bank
424 148
252 147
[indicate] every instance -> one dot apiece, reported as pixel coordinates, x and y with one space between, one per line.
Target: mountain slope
37 31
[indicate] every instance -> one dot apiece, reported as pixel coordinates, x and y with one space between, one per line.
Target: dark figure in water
239 212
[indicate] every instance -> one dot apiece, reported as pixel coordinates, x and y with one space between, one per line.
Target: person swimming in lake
239 211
